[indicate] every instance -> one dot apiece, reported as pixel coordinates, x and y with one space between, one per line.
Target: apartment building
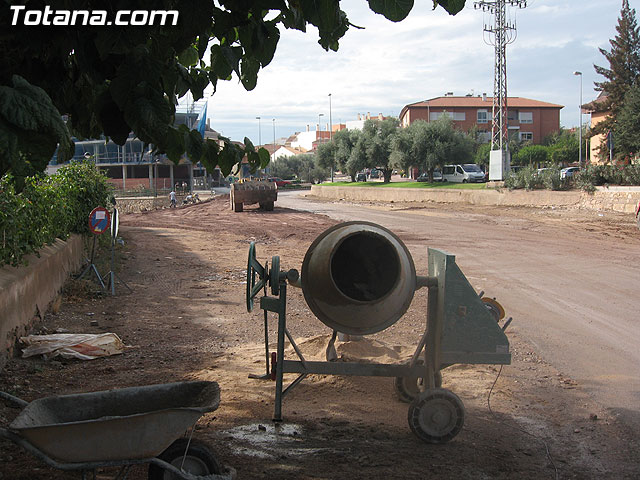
530 120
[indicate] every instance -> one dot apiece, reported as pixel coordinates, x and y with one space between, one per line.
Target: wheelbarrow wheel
436 416
198 461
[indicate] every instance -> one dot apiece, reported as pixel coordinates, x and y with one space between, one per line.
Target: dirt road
187 319
569 278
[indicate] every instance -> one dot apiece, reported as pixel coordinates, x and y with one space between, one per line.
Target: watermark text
98 18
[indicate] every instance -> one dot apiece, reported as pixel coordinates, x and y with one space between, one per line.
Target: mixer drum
358 278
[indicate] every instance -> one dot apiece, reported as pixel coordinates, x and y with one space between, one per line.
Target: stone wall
27 291
620 199
143 204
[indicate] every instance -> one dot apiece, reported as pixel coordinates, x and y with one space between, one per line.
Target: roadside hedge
597 175
47 208
587 179
530 179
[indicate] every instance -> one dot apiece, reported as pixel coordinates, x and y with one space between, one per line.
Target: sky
387 65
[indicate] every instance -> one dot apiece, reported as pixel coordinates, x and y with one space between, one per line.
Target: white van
467 173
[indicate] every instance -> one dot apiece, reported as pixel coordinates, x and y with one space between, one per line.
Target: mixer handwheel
408 388
274 273
436 416
254 268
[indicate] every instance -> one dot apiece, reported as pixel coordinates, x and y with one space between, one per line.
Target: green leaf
173 145
249 75
232 55
451 6
209 156
248 145
265 157
394 10
32 127
189 57
194 146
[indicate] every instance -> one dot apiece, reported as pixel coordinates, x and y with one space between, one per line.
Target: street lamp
330 132
319 128
274 140
259 132
580 127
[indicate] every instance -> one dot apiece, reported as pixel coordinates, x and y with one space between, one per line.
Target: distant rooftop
480 102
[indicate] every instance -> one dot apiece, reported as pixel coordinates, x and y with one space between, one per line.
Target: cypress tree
623 71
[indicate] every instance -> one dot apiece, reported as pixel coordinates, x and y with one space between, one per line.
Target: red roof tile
477 102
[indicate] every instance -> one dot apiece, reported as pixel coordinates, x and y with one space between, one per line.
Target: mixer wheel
436 416
408 388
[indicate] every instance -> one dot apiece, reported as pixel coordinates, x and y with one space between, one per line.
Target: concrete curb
622 199
27 291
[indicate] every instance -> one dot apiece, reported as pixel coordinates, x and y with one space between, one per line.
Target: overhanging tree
112 80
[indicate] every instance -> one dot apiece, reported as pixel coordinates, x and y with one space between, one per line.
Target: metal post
274 140
330 133
259 132
580 126
319 129
282 326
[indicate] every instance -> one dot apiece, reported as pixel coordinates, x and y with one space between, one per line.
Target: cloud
388 65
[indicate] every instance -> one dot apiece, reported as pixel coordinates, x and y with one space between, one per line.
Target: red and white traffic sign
99 220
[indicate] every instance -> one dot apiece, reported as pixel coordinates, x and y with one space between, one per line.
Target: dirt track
187 319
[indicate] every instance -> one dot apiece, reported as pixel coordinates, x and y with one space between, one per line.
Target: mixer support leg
277 415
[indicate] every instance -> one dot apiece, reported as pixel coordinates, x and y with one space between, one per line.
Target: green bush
48 208
527 178
596 175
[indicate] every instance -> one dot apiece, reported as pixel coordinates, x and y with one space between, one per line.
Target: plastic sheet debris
73 345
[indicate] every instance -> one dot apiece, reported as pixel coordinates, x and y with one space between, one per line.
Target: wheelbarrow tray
128 423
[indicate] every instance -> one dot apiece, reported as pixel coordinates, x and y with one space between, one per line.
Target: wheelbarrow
121 428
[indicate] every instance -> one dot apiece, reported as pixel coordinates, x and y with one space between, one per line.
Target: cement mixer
359 278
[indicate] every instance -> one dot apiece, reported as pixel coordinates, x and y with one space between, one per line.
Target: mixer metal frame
459 328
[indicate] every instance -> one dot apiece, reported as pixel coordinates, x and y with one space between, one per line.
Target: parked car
466 173
424 177
374 173
361 177
279 182
569 172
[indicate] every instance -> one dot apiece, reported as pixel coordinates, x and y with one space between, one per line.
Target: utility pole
500 34
330 133
579 74
274 140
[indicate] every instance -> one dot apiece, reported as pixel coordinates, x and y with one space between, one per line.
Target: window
455 116
512 115
526 117
459 170
526 136
448 170
483 116
471 168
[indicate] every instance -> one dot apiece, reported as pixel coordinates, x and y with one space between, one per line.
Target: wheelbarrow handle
12 399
